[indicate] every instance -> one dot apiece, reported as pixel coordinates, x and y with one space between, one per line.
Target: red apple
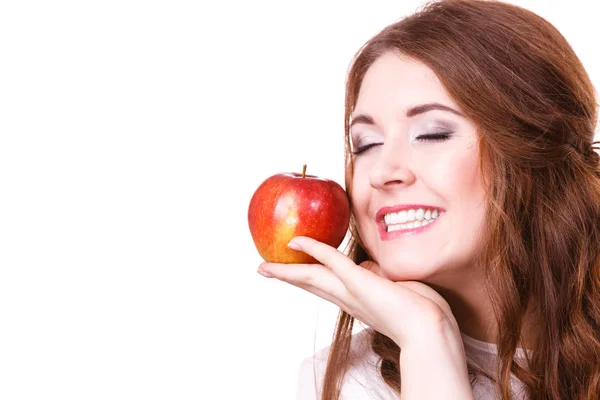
286 205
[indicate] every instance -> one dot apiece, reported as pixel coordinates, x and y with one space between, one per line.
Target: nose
392 168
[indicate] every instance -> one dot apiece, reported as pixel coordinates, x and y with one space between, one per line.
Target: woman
475 194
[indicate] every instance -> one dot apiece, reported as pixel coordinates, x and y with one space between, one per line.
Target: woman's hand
416 317
406 312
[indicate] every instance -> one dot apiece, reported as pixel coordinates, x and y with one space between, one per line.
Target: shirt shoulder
362 380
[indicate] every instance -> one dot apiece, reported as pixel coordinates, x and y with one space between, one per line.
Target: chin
403 269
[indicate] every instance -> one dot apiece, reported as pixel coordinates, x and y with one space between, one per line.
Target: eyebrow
411 112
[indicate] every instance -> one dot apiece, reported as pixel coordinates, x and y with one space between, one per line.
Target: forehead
398 82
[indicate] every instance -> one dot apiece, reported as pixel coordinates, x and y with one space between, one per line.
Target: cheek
465 196
456 176
467 175
360 190
361 197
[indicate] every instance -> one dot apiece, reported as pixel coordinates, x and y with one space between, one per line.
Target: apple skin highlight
290 204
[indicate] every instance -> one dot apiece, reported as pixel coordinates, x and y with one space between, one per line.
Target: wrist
439 342
439 357
432 329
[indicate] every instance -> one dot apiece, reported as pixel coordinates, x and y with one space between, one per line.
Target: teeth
428 215
402 217
409 219
420 214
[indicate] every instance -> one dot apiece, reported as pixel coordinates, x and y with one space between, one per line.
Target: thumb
373 267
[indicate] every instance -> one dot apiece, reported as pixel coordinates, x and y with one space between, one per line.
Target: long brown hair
513 74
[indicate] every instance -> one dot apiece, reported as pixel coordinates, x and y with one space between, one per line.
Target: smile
406 220
410 219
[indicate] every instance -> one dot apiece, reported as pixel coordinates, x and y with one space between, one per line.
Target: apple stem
304 170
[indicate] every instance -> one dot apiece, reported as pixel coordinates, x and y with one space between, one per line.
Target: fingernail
293 245
265 273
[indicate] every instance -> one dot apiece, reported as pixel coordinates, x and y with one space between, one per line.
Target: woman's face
417 193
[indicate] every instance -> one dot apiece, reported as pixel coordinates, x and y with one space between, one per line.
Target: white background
132 136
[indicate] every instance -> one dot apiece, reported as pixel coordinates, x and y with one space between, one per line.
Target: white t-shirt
364 382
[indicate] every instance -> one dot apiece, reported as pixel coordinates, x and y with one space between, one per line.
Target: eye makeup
425 130
433 130
361 142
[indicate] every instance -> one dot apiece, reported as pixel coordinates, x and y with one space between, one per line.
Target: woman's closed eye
363 148
433 137
429 137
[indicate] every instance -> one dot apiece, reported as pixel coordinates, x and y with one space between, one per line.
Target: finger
323 283
414 286
427 292
373 267
357 281
308 275
325 296
342 266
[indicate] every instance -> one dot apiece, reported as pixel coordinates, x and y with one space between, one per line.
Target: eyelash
362 149
432 137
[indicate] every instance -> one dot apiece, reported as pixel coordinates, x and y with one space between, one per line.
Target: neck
472 307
